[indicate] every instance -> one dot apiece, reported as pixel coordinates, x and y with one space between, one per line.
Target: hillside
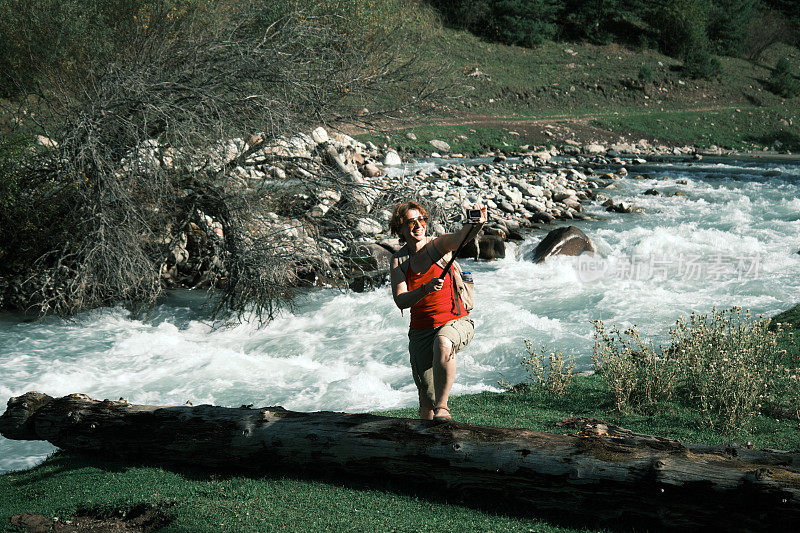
597 91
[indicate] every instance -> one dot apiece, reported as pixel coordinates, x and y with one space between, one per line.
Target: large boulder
440 145
491 247
392 159
562 241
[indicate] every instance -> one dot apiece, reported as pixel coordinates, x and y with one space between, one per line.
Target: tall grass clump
726 365
548 370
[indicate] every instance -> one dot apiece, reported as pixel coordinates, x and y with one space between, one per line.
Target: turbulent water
732 240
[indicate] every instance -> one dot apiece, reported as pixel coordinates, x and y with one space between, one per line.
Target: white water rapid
732 240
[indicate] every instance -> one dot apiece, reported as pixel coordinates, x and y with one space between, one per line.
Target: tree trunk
603 473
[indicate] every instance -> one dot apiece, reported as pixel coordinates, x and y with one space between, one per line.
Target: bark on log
601 472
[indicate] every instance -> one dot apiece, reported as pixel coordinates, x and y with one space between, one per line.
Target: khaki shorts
420 347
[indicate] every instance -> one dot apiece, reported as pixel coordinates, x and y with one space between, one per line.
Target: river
731 240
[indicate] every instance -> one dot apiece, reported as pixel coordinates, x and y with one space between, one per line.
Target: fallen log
601 472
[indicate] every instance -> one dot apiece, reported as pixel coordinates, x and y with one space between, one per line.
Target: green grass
743 128
790 316
199 500
559 78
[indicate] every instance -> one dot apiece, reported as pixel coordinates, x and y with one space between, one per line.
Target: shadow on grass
431 493
787 140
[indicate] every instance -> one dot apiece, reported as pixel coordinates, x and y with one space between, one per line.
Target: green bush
699 63
548 370
645 74
729 25
782 81
515 22
726 365
639 377
71 37
681 25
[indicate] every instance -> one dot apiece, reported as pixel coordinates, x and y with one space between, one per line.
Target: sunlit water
732 240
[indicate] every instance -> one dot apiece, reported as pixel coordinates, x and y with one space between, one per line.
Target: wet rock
562 241
623 207
652 192
543 217
371 170
392 159
491 247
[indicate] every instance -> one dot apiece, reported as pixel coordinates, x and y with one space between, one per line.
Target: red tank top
434 309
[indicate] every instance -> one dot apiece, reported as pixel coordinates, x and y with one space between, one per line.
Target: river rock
392 159
534 206
319 210
491 247
573 203
506 206
371 170
562 241
371 256
46 142
594 148
319 135
513 194
440 146
368 226
543 217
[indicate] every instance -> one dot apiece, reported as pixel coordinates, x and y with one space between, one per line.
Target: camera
473 215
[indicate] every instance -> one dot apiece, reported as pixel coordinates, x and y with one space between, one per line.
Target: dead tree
600 472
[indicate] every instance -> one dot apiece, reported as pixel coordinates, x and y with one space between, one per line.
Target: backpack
463 291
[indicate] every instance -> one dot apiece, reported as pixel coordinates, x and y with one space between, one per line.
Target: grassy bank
198 500
594 92
743 128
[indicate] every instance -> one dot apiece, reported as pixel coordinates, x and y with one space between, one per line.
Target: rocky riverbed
527 191
336 194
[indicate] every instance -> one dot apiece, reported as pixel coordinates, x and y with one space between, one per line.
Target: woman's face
414 226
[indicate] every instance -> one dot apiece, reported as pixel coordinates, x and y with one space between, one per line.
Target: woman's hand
433 285
484 213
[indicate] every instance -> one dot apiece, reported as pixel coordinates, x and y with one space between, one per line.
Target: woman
440 327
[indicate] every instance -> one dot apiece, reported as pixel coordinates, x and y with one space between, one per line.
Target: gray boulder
491 247
440 146
562 241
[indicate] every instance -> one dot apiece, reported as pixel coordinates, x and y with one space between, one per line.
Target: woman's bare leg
425 407
444 369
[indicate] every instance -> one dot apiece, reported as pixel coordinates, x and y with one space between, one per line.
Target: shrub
726 365
699 63
764 30
137 155
729 23
640 378
681 25
782 81
645 74
548 370
515 22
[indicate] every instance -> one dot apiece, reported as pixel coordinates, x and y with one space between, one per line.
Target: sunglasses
411 222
